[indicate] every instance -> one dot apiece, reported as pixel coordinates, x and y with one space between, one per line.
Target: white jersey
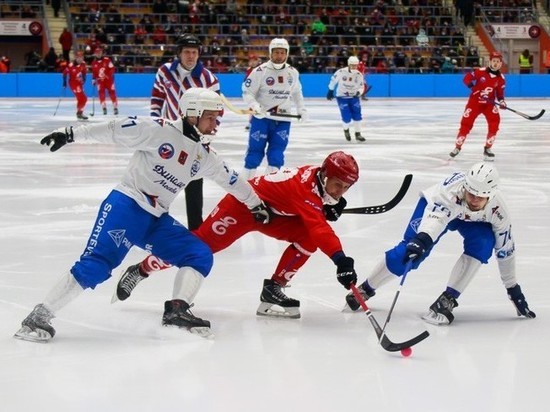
273 89
350 82
446 201
168 156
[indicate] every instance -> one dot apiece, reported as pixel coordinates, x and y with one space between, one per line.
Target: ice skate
81 116
115 111
347 135
127 282
366 292
488 154
36 327
441 310
104 110
455 152
358 137
177 313
275 303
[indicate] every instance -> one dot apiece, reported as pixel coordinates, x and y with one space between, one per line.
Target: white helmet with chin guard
197 99
482 180
278 43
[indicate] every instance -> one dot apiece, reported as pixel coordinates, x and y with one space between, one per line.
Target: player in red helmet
487 96
76 72
302 201
103 77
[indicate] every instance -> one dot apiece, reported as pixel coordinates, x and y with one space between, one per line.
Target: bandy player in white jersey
168 155
270 88
471 204
349 84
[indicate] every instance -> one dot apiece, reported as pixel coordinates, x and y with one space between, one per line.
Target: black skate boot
441 310
115 111
36 327
366 292
128 281
488 153
358 137
104 110
177 313
81 116
347 135
455 152
275 303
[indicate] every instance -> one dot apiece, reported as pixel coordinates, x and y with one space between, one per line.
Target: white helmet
482 180
353 60
278 43
197 99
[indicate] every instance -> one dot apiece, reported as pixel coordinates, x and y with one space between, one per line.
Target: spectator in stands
472 58
525 61
66 41
5 60
400 60
32 61
160 8
416 62
49 62
448 65
140 34
547 61
159 35
56 5
3 67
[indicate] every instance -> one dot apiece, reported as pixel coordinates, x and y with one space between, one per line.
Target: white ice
118 357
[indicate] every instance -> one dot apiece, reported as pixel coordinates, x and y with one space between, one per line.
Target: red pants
471 112
81 99
109 87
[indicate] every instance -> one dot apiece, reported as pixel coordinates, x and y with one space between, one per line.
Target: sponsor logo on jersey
166 151
280 79
99 223
270 81
117 235
168 178
219 227
453 178
415 224
182 157
195 167
497 213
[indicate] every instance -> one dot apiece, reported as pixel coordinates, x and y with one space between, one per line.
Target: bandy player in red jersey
76 71
103 77
487 85
302 200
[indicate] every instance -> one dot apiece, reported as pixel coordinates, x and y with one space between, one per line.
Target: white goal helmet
197 99
482 180
278 43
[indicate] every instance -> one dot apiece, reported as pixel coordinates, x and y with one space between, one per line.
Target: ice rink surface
118 357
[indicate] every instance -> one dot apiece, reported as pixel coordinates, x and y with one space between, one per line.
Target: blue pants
478 243
266 132
120 224
350 108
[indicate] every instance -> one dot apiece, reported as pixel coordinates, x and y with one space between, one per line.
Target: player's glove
516 296
60 137
94 82
262 213
330 94
417 246
345 273
257 111
333 212
470 85
502 104
357 94
302 111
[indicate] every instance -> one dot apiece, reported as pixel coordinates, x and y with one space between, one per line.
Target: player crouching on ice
302 200
169 154
471 204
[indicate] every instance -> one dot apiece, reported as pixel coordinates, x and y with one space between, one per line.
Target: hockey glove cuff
60 137
333 212
262 213
518 299
345 272
330 94
417 246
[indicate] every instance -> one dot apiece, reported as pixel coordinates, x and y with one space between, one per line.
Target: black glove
262 213
345 273
60 137
417 246
470 85
357 94
330 94
333 212
517 297
64 82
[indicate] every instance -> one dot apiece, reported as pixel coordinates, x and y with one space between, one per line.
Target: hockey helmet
353 60
482 180
188 40
342 166
495 60
278 43
197 99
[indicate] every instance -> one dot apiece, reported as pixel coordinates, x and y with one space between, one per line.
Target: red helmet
495 55
341 165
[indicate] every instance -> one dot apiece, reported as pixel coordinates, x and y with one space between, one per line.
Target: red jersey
103 70
486 86
295 192
362 67
76 73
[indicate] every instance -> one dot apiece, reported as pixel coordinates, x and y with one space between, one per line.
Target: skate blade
276 311
435 319
203 332
25 333
347 309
